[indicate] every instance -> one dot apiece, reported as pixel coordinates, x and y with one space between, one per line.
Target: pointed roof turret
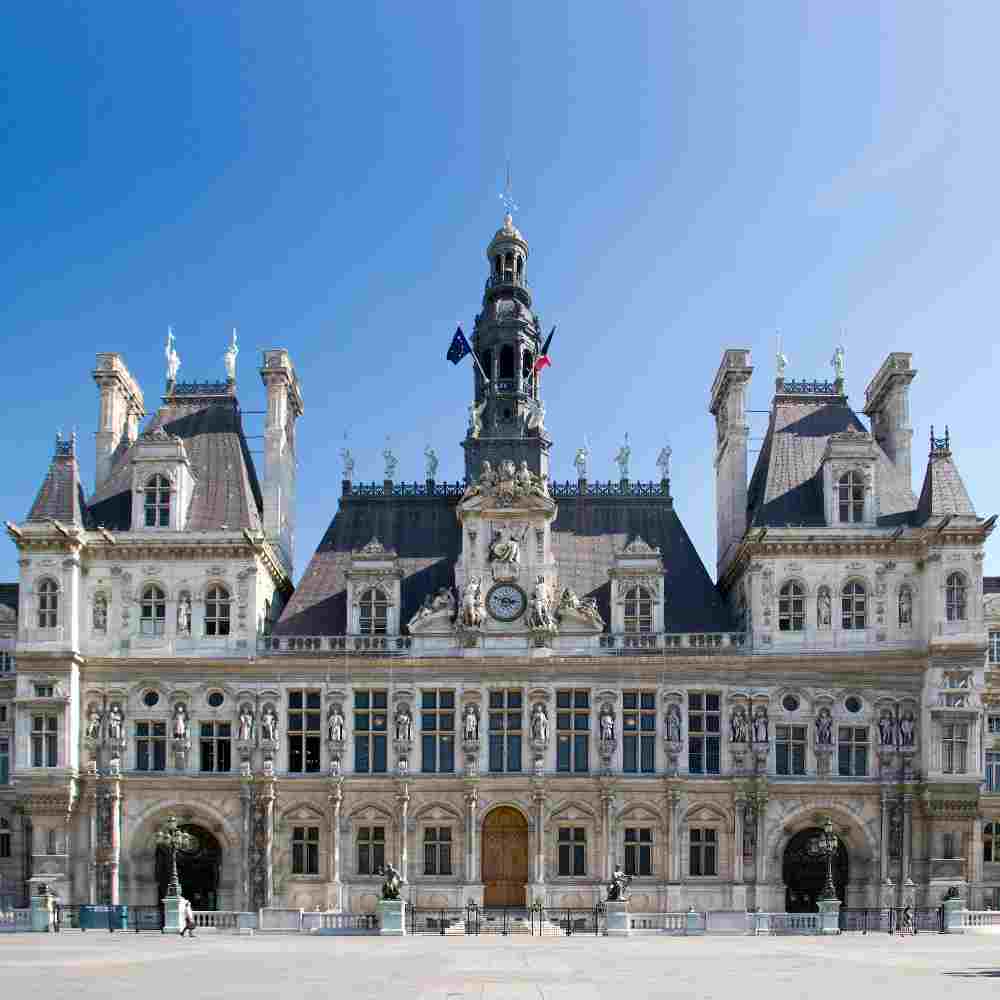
943 492
60 497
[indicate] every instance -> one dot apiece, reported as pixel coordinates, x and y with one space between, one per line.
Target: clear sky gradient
325 177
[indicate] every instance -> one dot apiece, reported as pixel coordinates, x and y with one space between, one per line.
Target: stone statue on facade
230 358
823 610
907 730
781 363
335 724
173 360
673 724
244 727
837 361
760 725
738 726
622 458
184 615
581 610
472 604
476 418
391 462
93 723
100 613
180 722
441 605
539 724
663 461
431 461
269 724
116 723
348 459
392 881
403 723
607 724
536 415
540 616
824 728
886 728
506 549
470 723
905 606
618 887
581 461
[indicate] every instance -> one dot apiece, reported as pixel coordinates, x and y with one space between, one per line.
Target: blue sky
325 177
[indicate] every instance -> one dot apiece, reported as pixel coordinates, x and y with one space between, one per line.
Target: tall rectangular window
638 850
371 722
216 746
305 850
852 752
572 850
6 662
573 731
4 762
304 727
639 731
44 741
992 771
506 727
790 749
371 849
704 729
4 839
437 850
993 724
437 732
954 747
704 855
994 647
151 746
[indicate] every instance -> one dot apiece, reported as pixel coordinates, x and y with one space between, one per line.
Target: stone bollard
692 922
392 917
953 907
42 911
173 914
619 922
829 916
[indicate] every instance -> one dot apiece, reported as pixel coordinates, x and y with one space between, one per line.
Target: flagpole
475 357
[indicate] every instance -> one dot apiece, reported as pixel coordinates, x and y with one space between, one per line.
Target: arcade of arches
505 857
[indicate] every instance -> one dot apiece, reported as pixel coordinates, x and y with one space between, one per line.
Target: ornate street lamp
174 839
825 846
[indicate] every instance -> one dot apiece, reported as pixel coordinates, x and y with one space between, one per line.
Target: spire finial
506 197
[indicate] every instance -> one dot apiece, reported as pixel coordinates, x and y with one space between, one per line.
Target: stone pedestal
392 917
41 911
953 909
173 914
619 922
829 916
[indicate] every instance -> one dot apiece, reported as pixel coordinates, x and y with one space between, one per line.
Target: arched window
956 593
158 502
48 604
527 360
791 607
854 605
217 611
506 361
374 616
991 842
851 497
153 611
638 610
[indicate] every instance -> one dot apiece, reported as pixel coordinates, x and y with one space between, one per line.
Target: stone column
246 838
115 792
336 798
538 798
884 828
607 815
760 853
907 846
674 869
403 798
975 864
92 842
739 806
471 835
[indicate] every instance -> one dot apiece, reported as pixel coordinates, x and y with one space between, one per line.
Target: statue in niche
886 728
404 723
907 730
93 723
245 724
539 724
506 549
824 728
335 724
180 722
431 462
760 725
739 729
184 615
470 726
622 458
674 724
100 613
269 724
905 607
823 608
115 724
607 724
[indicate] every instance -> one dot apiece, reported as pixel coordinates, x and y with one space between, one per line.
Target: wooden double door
505 857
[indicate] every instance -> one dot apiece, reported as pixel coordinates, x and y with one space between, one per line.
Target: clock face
506 602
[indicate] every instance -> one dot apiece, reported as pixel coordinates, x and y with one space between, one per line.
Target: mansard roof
226 491
8 603
426 535
786 488
60 496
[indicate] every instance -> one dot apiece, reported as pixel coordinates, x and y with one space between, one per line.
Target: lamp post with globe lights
174 839
825 845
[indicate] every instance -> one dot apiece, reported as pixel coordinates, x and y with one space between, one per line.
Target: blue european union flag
459 347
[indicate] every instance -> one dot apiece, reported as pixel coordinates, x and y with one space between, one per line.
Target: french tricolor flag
543 358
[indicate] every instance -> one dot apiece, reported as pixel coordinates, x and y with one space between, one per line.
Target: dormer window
956 598
153 611
851 497
373 611
48 604
217 611
854 605
157 502
638 610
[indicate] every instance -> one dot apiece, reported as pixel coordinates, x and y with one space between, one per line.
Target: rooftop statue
173 360
230 358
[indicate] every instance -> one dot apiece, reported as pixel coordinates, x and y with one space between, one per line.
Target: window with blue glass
437 732
506 726
992 771
573 731
639 732
370 727
704 732
4 762
304 731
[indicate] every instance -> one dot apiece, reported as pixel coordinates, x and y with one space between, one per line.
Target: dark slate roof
426 536
991 584
226 490
8 603
943 490
786 488
60 495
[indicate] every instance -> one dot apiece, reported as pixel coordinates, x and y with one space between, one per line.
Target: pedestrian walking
189 923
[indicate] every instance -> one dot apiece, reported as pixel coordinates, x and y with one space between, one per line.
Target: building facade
504 686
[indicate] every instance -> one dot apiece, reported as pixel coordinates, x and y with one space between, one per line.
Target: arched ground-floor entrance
197 869
505 857
804 873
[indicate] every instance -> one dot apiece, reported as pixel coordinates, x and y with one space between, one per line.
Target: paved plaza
99 964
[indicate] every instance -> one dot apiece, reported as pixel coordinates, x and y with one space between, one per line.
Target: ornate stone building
504 685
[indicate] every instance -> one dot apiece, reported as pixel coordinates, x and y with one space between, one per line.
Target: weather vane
506 197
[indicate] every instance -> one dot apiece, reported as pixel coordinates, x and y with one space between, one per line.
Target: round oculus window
506 602
150 699
852 704
790 703
215 699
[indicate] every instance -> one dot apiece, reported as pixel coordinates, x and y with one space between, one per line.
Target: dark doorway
198 869
804 874
505 857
